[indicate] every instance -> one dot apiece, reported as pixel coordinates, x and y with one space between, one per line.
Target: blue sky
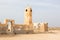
43 11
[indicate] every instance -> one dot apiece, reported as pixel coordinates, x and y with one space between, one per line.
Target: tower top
28 9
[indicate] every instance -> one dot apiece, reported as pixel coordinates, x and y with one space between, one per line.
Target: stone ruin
9 25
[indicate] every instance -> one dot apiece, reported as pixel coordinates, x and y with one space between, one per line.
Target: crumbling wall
43 27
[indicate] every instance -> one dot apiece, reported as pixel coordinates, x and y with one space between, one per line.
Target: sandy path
41 36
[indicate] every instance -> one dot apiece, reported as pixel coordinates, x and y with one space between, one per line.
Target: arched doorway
9 26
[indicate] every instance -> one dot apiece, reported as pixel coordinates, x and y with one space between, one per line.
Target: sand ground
51 35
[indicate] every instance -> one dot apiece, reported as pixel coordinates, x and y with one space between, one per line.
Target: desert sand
51 35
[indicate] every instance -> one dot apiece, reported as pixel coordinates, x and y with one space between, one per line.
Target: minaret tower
28 16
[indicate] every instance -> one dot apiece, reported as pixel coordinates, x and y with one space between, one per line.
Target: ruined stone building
28 26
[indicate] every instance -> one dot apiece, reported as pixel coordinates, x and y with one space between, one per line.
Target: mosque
9 26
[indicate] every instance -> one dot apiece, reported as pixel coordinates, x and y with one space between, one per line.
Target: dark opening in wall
26 10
